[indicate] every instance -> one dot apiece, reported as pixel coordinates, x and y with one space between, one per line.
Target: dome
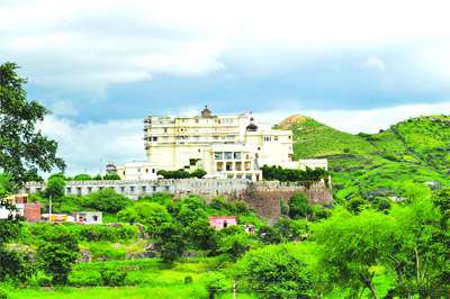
206 112
252 127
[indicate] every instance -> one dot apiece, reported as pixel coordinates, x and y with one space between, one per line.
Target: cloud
355 121
95 44
375 63
63 108
90 146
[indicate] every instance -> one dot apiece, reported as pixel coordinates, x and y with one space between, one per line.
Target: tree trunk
368 283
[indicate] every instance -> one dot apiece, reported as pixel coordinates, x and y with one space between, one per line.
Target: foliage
351 248
273 272
82 177
113 278
235 242
111 177
181 174
277 173
372 166
58 254
55 187
216 283
170 242
16 266
23 149
106 200
299 206
151 214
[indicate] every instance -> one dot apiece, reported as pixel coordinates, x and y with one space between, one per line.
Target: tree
170 242
55 187
58 254
23 149
106 200
274 272
151 214
82 177
351 246
299 206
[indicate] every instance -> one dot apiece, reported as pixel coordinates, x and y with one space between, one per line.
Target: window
154 139
79 191
218 155
146 170
237 156
132 188
122 189
153 170
267 138
275 138
144 189
165 130
89 190
154 188
229 166
69 190
95 218
139 169
228 156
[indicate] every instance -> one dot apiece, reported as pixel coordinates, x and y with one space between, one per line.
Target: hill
412 153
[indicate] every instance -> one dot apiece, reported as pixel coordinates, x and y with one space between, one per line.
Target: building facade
231 146
134 171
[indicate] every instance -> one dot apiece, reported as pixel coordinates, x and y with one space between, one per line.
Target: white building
230 146
137 171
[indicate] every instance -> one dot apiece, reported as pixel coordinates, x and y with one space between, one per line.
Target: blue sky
101 66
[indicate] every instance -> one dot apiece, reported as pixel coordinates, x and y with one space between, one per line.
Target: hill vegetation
412 153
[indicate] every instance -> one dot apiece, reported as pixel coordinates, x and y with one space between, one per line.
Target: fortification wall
265 196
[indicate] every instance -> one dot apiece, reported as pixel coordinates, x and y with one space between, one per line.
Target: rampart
265 196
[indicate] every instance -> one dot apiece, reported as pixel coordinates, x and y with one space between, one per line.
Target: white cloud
89 147
93 44
375 63
355 121
63 108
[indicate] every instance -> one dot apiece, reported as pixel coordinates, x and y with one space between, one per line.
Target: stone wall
265 196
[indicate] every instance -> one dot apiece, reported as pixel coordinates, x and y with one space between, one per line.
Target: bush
106 200
113 278
188 279
3 294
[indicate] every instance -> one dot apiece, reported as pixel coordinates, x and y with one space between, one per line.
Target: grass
372 165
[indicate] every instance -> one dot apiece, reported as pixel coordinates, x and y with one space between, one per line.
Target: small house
89 217
220 222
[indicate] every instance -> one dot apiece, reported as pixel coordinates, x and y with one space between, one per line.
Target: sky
102 66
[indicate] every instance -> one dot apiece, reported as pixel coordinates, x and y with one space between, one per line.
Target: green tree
274 272
170 242
58 254
55 188
82 177
23 149
151 214
299 206
352 246
106 200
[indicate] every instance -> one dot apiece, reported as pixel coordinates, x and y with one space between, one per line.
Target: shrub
188 279
3 294
113 278
106 200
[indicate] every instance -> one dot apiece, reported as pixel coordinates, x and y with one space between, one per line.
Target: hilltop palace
230 148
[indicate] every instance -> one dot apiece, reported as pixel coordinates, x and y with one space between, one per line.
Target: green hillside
413 153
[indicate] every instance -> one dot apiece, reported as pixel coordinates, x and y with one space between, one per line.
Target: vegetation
375 167
386 235
181 174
